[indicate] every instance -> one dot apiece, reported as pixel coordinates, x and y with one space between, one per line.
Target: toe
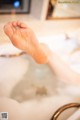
22 25
8 30
14 23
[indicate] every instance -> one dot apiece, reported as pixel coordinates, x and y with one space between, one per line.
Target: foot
24 38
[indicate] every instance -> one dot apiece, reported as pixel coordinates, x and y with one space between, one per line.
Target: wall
39 8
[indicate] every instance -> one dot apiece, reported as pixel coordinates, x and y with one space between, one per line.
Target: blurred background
43 16
48 8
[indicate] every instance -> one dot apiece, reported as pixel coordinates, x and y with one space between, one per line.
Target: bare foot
24 38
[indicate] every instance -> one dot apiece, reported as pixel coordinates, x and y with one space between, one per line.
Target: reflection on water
38 82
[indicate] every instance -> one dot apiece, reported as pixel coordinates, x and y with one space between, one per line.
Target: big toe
8 30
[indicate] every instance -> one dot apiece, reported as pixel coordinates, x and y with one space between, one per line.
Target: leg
24 38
